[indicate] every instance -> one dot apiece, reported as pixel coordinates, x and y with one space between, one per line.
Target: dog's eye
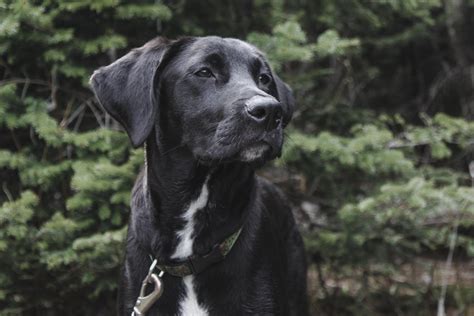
204 72
264 79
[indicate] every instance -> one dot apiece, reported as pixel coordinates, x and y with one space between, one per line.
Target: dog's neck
194 202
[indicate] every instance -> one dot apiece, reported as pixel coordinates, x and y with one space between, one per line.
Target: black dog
209 111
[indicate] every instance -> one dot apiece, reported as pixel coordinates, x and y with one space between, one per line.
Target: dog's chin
255 154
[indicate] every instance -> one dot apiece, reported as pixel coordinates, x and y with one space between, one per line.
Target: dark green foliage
381 141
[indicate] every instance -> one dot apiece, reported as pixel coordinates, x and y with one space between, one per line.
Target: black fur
195 127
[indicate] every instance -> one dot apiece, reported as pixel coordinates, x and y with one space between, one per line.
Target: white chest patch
184 248
189 306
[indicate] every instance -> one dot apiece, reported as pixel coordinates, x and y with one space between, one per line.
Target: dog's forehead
229 48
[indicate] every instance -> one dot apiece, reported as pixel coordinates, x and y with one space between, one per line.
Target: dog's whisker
173 149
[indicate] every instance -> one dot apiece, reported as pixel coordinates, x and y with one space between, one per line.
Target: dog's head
217 97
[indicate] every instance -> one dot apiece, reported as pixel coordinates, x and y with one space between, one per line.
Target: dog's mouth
258 152
255 153
241 144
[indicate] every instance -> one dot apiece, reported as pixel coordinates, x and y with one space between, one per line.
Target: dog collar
197 264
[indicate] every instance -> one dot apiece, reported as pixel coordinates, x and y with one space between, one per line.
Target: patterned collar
197 264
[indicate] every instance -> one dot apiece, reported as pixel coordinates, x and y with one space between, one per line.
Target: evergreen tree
376 161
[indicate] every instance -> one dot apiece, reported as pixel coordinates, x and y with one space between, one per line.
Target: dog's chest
186 235
189 304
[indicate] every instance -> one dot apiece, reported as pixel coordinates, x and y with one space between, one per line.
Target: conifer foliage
65 173
379 153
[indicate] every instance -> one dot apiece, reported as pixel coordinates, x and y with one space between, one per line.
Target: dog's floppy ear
126 88
286 98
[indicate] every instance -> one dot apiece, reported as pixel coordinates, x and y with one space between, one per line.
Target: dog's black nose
264 110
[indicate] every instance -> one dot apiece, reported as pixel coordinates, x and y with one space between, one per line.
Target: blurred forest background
376 161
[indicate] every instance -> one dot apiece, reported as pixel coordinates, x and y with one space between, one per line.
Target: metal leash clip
145 302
